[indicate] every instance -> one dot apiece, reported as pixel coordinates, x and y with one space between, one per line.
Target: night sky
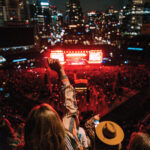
87 5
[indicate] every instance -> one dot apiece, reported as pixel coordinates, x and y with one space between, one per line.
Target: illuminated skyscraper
74 14
146 16
95 25
40 11
111 25
74 30
12 11
134 14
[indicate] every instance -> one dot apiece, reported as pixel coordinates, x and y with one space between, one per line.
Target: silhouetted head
139 141
7 134
6 129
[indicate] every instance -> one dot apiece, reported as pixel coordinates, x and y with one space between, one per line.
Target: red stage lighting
77 56
95 56
58 54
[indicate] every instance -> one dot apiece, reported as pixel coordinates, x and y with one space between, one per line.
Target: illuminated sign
92 27
72 26
18 60
77 81
135 48
44 4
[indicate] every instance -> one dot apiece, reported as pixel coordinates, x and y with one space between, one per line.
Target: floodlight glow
94 62
135 48
95 56
44 4
2 59
58 54
1 89
72 26
77 63
76 55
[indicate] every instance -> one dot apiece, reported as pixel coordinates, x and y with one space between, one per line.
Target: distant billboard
16 36
135 48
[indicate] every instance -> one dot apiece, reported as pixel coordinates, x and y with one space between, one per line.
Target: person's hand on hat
97 117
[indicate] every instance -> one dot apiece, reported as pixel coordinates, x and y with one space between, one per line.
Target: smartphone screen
96 122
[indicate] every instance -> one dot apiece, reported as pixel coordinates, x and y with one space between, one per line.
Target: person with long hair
44 129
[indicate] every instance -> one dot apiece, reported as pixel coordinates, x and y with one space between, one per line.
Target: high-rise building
146 19
111 25
41 17
74 29
13 11
94 20
74 14
2 12
57 30
40 11
134 15
95 24
146 11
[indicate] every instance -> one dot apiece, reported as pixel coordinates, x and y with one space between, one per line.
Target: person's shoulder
81 129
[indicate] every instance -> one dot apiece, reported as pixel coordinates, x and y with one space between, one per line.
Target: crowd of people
23 89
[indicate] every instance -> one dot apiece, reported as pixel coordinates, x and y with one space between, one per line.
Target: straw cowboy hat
109 133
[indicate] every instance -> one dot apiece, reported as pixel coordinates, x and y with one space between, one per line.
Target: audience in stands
106 86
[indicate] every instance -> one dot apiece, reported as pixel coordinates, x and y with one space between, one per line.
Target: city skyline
88 5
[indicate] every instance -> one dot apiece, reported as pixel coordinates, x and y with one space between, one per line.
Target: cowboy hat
109 133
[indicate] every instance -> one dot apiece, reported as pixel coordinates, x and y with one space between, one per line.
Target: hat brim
114 141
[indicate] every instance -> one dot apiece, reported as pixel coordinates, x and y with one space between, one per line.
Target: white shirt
82 137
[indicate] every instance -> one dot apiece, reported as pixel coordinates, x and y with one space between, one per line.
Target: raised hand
54 64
